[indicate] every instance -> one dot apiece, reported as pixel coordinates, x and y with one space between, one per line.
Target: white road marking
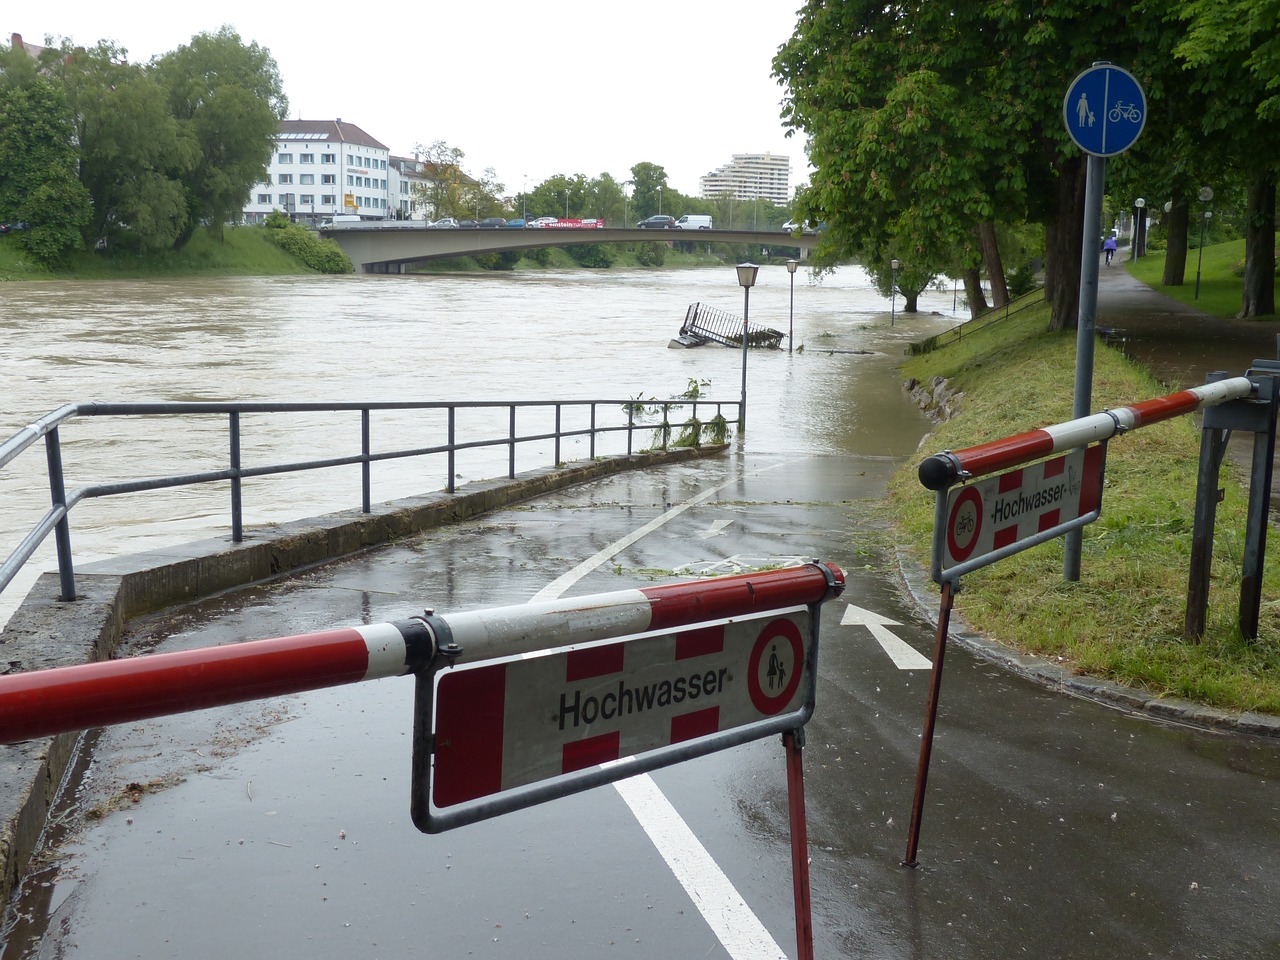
716 528
739 930
903 655
732 921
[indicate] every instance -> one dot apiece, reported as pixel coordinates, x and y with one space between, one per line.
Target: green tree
1234 48
228 98
38 184
948 109
133 155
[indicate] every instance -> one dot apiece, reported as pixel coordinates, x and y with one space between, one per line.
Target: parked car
516 224
659 221
468 224
491 222
544 222
444 223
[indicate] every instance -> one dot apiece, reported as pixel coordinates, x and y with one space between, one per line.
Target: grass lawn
1220 270
1123 620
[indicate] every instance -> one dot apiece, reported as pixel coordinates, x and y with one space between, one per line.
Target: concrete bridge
387 246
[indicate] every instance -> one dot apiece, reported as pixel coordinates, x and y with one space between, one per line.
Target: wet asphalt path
1054 827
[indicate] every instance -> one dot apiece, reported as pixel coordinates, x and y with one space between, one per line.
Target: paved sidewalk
1178 344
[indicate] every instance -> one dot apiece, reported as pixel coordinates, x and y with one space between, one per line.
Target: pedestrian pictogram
1104 110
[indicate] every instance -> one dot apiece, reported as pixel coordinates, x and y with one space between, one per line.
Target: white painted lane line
732 921
738 928
715 529
903 655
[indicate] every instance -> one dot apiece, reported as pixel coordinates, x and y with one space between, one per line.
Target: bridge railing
536 426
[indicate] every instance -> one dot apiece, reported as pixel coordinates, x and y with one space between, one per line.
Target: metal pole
930 719
1255 542
366 499
1200 254
793 741
62 530
791 316
1095 182
237 506
742 408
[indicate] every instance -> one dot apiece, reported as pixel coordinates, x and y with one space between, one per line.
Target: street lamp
1204 222
1206 194
566 204
1139 229
659 189
791 322
747 280
894 264
627 186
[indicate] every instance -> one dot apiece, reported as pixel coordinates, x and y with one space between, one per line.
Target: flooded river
576 335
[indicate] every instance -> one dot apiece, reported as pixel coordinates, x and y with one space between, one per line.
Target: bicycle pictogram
1125 111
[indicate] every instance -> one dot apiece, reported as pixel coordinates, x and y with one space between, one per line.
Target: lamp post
791 318
1206 194
747 280
566 204
659 189
894 264
627 186
1139 229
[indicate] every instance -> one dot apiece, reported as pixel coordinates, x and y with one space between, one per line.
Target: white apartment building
750 176
324 167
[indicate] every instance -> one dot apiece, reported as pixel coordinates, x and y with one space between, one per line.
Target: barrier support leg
1255 540
1213 444
793 741
930 719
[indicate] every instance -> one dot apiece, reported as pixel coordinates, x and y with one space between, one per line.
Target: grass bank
1123 621
244 251
1221 268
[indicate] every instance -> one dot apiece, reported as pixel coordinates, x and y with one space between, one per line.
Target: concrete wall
45 632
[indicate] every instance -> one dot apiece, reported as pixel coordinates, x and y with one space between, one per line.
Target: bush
592 255
651 255
1021 281
322 255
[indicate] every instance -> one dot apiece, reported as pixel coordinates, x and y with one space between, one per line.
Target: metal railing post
593 430
61 532
449 484
631 425
366 505
237 504
557 451
511 445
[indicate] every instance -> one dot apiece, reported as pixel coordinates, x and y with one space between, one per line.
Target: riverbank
246 252
1123 621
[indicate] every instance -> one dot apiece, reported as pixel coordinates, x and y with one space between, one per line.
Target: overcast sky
531 88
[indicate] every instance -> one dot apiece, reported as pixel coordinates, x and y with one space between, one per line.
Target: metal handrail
56 519
957 333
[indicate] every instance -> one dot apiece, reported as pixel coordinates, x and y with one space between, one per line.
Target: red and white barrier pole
45 702
942 470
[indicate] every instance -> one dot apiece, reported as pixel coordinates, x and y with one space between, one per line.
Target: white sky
531 88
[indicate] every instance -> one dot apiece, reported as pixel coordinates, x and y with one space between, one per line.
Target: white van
341 218
694 221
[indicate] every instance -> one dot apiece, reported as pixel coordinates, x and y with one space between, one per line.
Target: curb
921 590
45 632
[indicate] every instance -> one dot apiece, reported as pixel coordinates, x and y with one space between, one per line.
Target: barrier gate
978 522
516 705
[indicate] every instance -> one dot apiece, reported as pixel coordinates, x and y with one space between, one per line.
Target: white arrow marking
903 655
715 528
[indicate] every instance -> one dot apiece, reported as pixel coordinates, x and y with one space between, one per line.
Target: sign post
1104 111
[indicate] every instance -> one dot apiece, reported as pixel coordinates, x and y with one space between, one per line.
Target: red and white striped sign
1000 511
507 724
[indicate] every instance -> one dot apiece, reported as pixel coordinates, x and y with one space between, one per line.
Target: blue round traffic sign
1104 110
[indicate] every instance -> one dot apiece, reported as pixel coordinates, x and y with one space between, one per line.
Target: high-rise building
750 176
